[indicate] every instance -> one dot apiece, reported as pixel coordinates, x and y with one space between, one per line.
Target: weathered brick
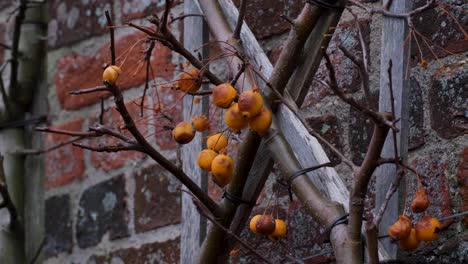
64 164
157 252
102 209
72 21
452 250
157 199
440 31
347 75
112 118
433 171
58 226
263 17
78 72
416 115
328 126
132 9
448 101
462 176
360 130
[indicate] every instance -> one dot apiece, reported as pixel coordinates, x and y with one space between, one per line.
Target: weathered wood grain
193 225
394 32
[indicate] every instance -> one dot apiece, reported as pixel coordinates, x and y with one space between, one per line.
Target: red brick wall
106 207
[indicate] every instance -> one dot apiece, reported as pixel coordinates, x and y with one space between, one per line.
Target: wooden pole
193 225
394 47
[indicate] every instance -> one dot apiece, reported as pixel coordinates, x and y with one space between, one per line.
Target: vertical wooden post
394 33
193 225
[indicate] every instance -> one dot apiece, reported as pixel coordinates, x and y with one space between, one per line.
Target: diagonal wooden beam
326 179
394 34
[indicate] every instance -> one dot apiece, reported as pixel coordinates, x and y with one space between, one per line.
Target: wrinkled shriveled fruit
217 142
401 229
265 225
183 133
223 95
411 242
420 201
111 73
428 228
234 119
205 158
250 103
222 169
200 123
280 230
261 122
189 81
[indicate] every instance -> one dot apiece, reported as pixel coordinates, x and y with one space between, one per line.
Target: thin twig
42 151
377 117
101 114
111 31
167 9
99 128
240 20
148 53
67 132
206 213
38 251
184 16
293 108
5 46
238 74
111 148
101 88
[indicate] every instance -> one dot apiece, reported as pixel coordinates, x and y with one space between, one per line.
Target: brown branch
361 182
391 190
170 41
148 53
292 106
101 88
101 114
158 157
240 20
42 151
206 213
5 46
111 148
99 128
184 16
67 132
372 243
238 74
377 117
111 31
167 10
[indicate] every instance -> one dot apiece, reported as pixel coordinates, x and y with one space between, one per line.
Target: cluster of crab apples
242 110
426 229
267 225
